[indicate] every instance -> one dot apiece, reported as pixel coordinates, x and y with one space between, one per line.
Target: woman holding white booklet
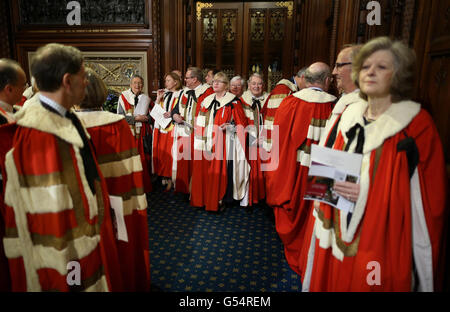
163 138
393 240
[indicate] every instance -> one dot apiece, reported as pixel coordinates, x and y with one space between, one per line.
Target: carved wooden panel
265 49
219 36
115 68
106 12
110 32
246 37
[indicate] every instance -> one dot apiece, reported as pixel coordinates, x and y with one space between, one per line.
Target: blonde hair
402 82
222 77
96 91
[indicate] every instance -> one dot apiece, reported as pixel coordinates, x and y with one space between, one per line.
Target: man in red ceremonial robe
184 114
283 89
134 105
301 118
59 231
349 91
253 101
121 166
12 84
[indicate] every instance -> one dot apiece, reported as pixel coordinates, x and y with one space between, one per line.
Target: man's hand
177 118
166 115
347 189
141 118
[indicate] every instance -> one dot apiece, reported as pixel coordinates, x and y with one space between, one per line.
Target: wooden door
433 41
268 47
219 37
241 38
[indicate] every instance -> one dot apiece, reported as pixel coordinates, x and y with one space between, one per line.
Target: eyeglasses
188 77
340 65
218 81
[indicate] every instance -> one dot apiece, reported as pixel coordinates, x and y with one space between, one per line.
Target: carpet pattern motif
199 251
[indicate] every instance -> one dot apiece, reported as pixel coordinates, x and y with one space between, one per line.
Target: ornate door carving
242 38
219 36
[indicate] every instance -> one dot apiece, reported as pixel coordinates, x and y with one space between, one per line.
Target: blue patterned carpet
199 251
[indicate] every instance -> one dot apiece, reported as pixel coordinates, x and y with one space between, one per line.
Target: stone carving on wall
115 68
105 12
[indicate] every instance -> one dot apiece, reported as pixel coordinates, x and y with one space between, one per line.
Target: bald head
318 75
12 81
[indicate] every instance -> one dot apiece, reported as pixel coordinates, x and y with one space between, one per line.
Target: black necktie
191 93
169 96
255 103
214 105
90 168
351 134
136 100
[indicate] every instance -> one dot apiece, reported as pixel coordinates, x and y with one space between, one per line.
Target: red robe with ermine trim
7 132
185 139
399 220
301 117
257 190
146 158
51 215
120 164
283 89
163 140
215 176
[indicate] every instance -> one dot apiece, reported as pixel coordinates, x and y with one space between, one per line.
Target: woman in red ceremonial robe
119 162
163 138
221 123
394 238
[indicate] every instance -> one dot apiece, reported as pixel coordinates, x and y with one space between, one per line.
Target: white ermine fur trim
314 96
227 98
247 97
37 117
396 118
98 118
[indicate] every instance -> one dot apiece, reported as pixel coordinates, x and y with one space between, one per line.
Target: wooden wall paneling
191 28
434 82
432 45
92 37
5 31
297 61
315 31
288 49
172 35
348 21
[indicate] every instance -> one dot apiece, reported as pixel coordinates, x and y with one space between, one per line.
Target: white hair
236 78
